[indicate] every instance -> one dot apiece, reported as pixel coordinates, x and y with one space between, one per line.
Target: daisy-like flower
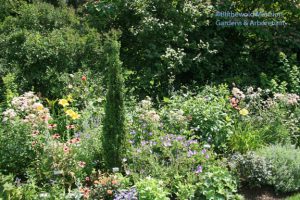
56 136
244 112
35 133
63 102
66 149
71 126
85 191
81 164
52 126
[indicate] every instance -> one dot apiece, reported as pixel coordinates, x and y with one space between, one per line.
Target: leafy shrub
49 41
216 183
150 188
209 114
252 169
285 166
274 165
245 138
16 153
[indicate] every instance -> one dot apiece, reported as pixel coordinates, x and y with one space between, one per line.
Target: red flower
83 78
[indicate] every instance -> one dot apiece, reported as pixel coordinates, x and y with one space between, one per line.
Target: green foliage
42 42
209 112
16 153
246 138
252 169
284 162
114 120
217 183
150 188
10 89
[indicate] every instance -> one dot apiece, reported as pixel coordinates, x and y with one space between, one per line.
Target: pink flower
81 164
71 126
56 136
52 126
66 149
35 133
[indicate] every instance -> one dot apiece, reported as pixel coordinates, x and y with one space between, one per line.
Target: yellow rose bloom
244 112
63 102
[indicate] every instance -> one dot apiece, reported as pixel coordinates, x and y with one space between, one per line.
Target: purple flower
207 156
199 169
167 143
143 142
191 153
133 132
150 133
203 151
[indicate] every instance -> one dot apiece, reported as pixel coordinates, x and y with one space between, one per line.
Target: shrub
217 183
209 114
114 120
150 188
49 41
285 167
16 153
253 170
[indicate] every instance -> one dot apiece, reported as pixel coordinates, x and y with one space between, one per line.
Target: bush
16 153
217 183
285 167
150 188
274 165
253 170
42 42
209 114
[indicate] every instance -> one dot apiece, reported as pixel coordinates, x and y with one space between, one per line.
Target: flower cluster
130 194
29 109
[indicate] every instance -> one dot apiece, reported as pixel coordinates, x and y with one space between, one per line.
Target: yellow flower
38 106
75 116
72 114
70 99
244 112
63 102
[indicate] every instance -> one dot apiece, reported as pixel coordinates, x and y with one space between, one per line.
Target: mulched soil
264 193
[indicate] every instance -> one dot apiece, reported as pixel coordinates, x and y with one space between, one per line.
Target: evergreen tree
113 129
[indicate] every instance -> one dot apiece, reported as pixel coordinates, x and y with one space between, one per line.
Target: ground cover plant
128 100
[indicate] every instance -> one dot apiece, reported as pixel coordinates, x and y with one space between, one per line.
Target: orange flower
96 182
114 182
109 192
85 191
83 78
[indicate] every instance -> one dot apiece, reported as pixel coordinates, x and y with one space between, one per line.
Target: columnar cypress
113 128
